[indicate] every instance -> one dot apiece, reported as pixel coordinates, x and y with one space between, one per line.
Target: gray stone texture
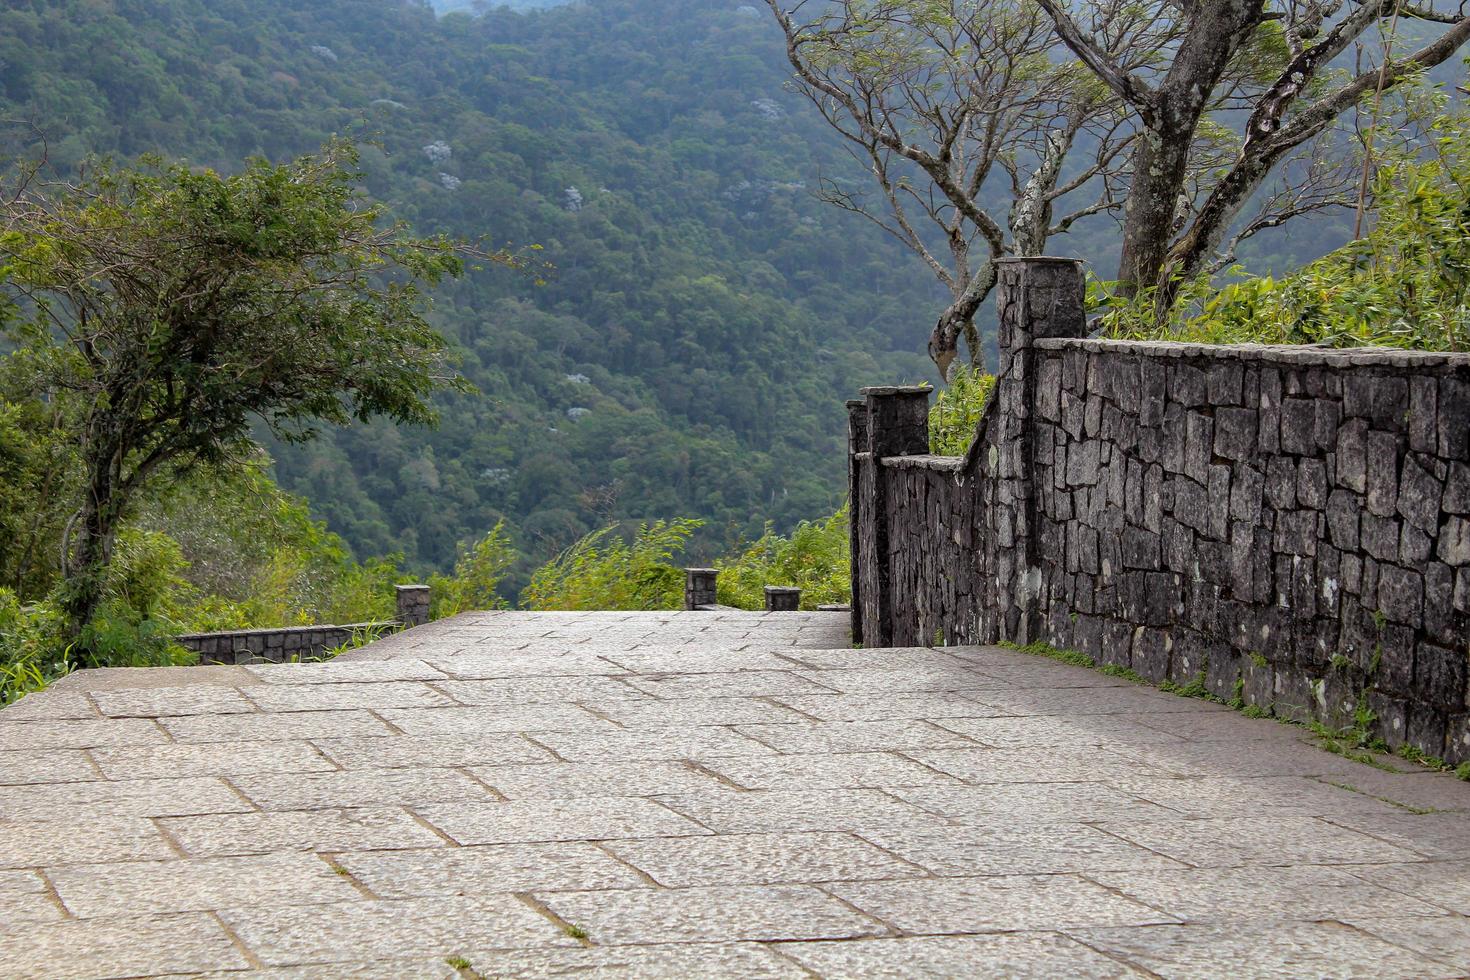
1186 511
1053 821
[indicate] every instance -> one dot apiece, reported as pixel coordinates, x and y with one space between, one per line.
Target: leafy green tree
181 307
605 571
1405 283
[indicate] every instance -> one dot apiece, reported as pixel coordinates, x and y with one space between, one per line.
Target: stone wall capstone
1286 525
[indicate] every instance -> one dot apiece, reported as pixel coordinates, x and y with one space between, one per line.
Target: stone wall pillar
782 598
699 587
413 605
898 425
1035 297
857 442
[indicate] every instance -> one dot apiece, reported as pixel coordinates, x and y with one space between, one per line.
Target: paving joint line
495 794
604 847
255 961
562 925
342 871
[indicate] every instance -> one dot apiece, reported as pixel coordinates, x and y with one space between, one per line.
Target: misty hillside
706 314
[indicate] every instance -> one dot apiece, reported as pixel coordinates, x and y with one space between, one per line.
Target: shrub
815 558
32 652
477 575
956 412
1405 284
604 570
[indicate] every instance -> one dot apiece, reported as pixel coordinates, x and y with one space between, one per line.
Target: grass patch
1127 673
463 967
1355 742
1076 658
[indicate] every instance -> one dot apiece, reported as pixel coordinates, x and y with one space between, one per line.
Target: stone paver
761 859
92 891
138 944
712 794
492 869
322 831
705 914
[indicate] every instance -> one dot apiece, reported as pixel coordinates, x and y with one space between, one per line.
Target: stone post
782 598
857 442
699 587
898 425
413 605
1035 297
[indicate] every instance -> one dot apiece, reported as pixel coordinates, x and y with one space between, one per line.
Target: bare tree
979 142
1172 232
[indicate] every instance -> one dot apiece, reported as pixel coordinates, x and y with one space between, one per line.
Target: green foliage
956 411
815 558
711 310
359 637
32 653
176 309
605 570
477 576
1076 658
1405 284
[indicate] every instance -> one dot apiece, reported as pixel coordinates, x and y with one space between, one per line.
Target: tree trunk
1159 167
96 531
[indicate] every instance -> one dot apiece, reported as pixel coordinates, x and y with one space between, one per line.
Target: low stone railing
291 643
1287 526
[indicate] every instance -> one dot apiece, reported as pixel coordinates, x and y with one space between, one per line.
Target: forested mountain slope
705 315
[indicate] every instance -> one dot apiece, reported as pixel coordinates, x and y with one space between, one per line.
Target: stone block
1140 548
1298 426
1423 392
1414 545
1092 416
1343 517
1456 498
1439 594
1352 456
1401 595
1380 537
1440 675
1198 446
1187 385
1219 502
1281 483
1225 383
1297 534
1352 573
1419 496
1163 600
1246 490
1191 504
1268 436
1235 433
1151 651
1427 728
1382 473
1454 542
1311 483
1394 653
377 931
1082 463
1172 453
1152 392
1453 422
1328 418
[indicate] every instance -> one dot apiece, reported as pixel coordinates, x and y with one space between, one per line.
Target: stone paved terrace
701 794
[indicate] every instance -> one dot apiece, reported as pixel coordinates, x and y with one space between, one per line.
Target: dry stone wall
1290 526
283 645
